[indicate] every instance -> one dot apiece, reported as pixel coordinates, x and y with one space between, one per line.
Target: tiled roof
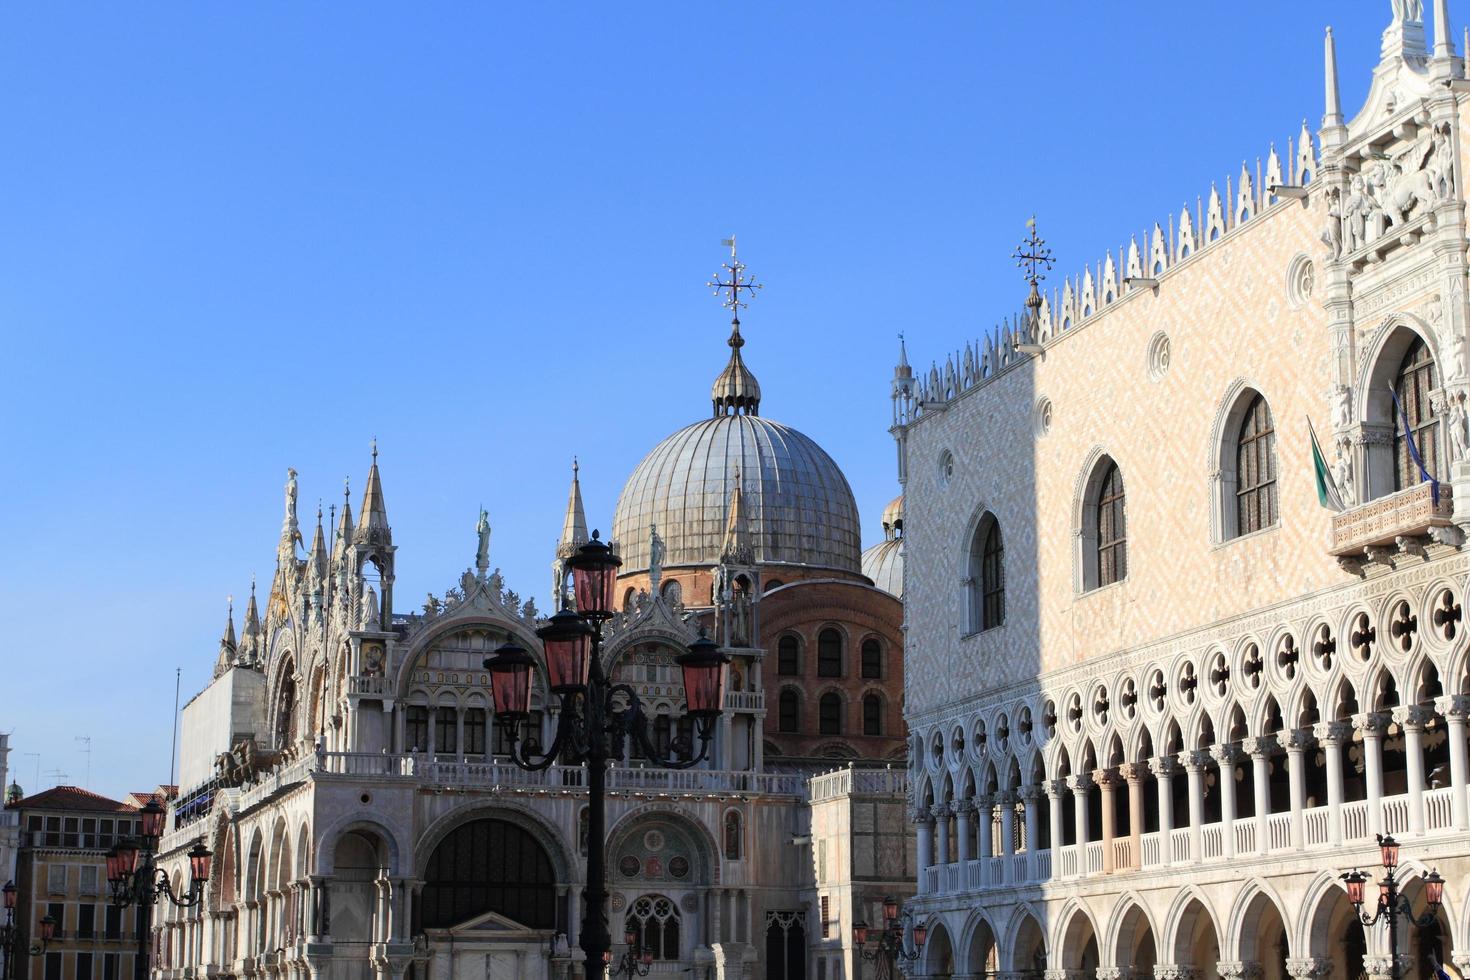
71 798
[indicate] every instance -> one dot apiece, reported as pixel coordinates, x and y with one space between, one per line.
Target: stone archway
1136 946
938 953
1196 940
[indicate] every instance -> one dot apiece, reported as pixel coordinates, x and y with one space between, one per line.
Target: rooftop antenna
58 775
1033 256
37 757
86 741
174 744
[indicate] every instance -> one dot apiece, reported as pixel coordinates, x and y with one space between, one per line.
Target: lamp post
885 944
136 879
1390 904
7 931
597 716
635 961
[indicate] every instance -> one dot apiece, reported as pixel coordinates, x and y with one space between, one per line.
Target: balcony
367 685
745 700
1072 862
1382 523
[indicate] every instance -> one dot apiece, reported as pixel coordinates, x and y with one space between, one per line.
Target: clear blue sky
235 238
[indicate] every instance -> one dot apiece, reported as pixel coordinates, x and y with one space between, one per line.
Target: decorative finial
375 450
575 467
318 510
1033 256
738 281
252 583
230 602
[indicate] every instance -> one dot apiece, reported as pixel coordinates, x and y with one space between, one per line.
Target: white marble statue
482 554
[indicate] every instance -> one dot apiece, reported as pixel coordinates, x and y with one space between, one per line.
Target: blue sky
236 238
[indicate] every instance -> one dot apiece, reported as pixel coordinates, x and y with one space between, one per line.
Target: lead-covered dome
883 563
797 506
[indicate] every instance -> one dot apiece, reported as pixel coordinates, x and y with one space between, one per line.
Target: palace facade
345 768
1162 691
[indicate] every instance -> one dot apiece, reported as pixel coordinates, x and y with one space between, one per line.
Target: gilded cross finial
738 281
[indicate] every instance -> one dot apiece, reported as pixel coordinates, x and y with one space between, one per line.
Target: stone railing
851 780
1380 523
745 700
375 685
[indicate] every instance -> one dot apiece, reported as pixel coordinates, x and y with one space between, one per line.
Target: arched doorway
1079 944
785 946
1137 948
1028 954
359 860
1196 941
938 953
1263 938
982 958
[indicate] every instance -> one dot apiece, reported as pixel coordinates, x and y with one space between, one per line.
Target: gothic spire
737 549
372 521
574 526
1333 115
318 549
252 614
343 536
227 644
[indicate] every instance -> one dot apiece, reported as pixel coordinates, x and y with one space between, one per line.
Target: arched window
987 581
872 715
788 713
488 866
416 729
829 653
1255 469
788 656
734 838
1412 384
663 727
829 714
872 659
673 591
446 731
1112 527
655 921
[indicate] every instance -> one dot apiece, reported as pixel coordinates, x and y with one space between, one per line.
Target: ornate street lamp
1390 904
136 879
8 931
885 944
597 716
636 961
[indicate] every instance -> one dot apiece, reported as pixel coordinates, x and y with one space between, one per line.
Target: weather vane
1033 256
738 281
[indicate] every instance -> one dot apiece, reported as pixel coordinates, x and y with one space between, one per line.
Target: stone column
1194 769
1411 719
1296 741
1133 772
1454 707
1371 726
964 813
984 823
1031 797
1054 790
1225 756
1331 735
1108 781
1080 784
925 825
1007 802
1260 753
941 833
1163 769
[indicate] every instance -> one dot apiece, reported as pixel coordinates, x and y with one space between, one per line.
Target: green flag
1327 492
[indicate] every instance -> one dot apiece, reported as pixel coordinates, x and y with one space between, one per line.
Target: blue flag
1424 474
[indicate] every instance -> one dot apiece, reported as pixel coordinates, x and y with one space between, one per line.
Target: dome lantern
736 391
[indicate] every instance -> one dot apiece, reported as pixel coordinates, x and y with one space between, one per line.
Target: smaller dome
883 563
893 518
14 793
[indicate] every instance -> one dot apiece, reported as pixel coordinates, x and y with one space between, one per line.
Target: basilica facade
345 767
1171 669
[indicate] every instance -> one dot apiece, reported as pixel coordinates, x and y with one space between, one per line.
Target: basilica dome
883 563
798 508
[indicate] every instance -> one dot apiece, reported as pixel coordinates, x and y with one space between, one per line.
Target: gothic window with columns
1255 469
655 919
986 580
1416 378
1112 527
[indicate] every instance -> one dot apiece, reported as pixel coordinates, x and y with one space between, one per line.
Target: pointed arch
1242 459
1075 926
1025 948
1126 928
1251 903
1189 903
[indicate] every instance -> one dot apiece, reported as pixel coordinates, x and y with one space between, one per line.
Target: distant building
9 821
65 834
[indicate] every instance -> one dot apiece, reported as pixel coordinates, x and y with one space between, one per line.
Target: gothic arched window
788 712
733 836
872 715
829 714
489 866
829 653
416 729
987 581
1112 527
872 659
1255 469
655 921
1415 379
788 656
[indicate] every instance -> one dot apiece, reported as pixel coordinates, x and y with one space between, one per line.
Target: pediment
492 925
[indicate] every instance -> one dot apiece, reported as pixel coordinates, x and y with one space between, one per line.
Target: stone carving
1342 412
482 554
1332 233
1342 475
1355 211
1459 438
243 763
655 557
1410 11
370 610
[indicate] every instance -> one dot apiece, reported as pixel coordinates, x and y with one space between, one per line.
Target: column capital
1411 717
1164 766
1308 967
1332 732
984 801
1032 793
1461 959
1258 746
1453 706
1238 969
964 808
1107 778
1294 739
1193 760
1176 971
1224 753
1005 798
1133 772
1369 723
1079 782
941 811
921 815
1116 973
1056 787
